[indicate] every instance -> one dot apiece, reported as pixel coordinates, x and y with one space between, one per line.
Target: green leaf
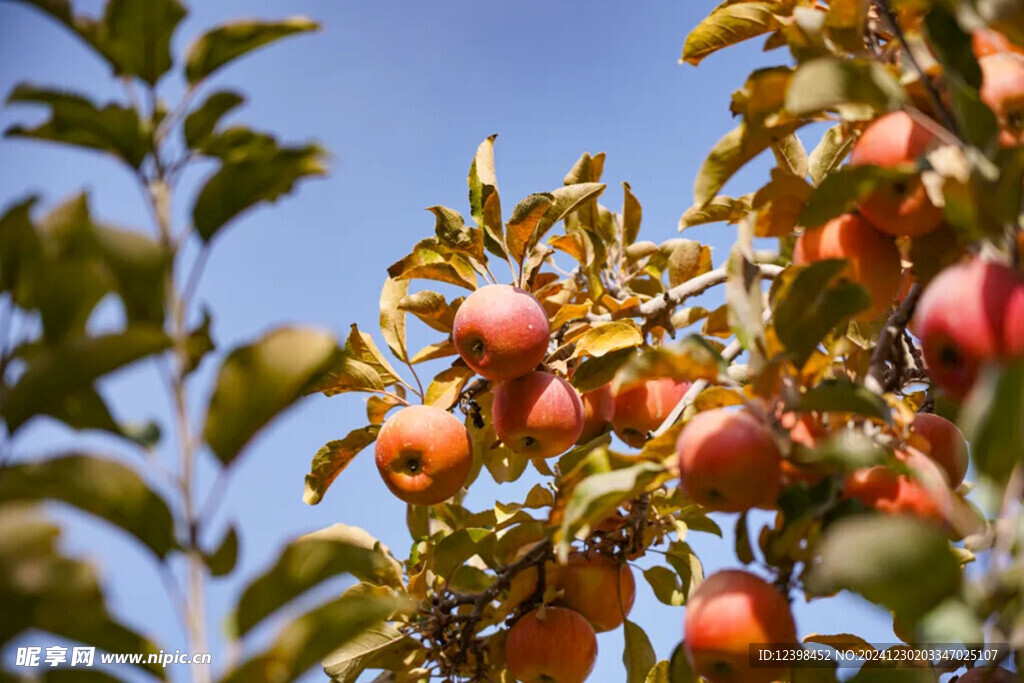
593 372
136 36
902 563
728 24
379 647
139 266
85 409
638 655
666 585
71 367
844 396
304 642
840 191
258 381
813 304
19 244
828 83
687 565
101 487
679 669
729 154
226 43
744 552
203 120
719 209
829 153
991 420
332 459
392 318
222 561
75 120
484 201
308 562
251 175
459 546
599 495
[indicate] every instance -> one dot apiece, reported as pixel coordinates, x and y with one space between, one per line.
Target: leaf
599 495
899 562
483 197
72 366
813 304
779 204
679 669
632 213
659 673
360 346
445 388
309 561
594 372
719 209
202 121
250 176
744 552
691 359
455 548
377 407
638 655
139 266
687 260
607 338
85 409
304 642
844 396
258 381
348 374
841 190
991 420
687 565
827 83
224 44
432 261
375 648
136 36
101 487
567 199
666 586
829 153
452 231
728 24
522 225
392 318
791 156
729 154
434 351
75 120
222 561
332 458
744 298
432 309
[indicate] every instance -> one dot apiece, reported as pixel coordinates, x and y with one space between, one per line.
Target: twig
888 338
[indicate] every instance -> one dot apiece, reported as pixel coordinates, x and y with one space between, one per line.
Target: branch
889 337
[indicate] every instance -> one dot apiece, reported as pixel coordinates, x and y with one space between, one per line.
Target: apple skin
874 260
423 454
925 495
642 407
501 332
948 446
589 585
538 415
1002 89
986 42
894 140
598 408
981 674
556 647
730 610
729 461
971 313
805 431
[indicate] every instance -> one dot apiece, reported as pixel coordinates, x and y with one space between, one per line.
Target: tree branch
888 338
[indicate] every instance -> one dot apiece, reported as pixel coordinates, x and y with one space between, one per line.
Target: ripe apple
642 407
987 42
539 415
923 494
971 313
948 448
1002 89
805 431
730 610
524 584
598 407
423 454
593 585
501 332
729 461
983 674
874 260
551 645
904 209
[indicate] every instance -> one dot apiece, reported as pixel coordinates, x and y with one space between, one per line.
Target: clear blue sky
401 94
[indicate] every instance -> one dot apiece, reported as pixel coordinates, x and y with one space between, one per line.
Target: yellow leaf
447 386
619 334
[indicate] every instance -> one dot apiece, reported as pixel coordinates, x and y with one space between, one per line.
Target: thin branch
888 338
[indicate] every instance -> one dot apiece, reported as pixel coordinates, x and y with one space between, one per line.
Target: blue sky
401 94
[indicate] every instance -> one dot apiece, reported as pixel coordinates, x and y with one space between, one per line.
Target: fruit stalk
888 338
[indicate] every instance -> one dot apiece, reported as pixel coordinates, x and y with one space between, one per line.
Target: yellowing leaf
439 350
447 386
377 407
392 319
631 215
570 312
430 260
333 458
484 201
570 244
829 153
688 260
598 341
780 203
731 23
523 223
360 346
453 232
729 154
827 83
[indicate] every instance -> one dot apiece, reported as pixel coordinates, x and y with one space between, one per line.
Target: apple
539 414
983 674
924 493
598 407
551 645
1002 89
423 454
971 313
805 431
524 584
987 42
729 461
947 446
599 587
873 259
642 407
891 141
501 332
730 610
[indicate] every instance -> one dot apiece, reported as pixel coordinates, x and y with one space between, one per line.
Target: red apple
423 454
948 448
642 407
729 461
1002 89
987 42
553 645
598 408
924 493
501 332
599 587
539 415
873 259
891 141
730 610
